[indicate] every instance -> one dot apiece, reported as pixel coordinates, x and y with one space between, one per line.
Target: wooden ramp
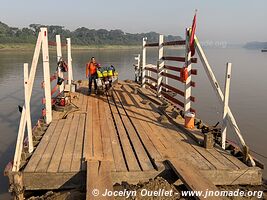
124 131
193 179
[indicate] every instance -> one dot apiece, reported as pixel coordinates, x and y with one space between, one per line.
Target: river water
248 96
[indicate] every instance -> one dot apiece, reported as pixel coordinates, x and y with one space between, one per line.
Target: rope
259 154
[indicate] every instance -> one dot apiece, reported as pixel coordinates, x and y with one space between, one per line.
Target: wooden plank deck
127 134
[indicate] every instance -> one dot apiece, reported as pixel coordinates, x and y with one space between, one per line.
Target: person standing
91 72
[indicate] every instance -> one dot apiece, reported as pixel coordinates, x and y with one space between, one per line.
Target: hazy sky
234 21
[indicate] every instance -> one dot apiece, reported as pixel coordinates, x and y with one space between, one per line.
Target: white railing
161 71
42 43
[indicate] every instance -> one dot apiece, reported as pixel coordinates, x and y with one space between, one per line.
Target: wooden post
59 56
137 68
226 100
46 69
34 63
27 107
160 66
20 138
218 92
70 74
144 62
187 90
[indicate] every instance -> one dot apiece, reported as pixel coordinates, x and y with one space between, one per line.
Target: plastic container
105 73
99 74
110 73
189 118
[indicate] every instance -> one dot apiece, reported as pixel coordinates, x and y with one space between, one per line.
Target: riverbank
25 47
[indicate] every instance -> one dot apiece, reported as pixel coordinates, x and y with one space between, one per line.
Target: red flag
193 30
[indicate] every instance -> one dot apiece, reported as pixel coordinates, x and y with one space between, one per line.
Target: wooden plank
129 103
98 177
248 176
214 159
58 153
177 91
34 160
88 135
151 78
148 123
172 139
97 134
106 141
225 102
222 159
78 147
120 164
192 178
152 44
47 155
231 158
66 159
178 69
85 99
179 59
177 42
137 144
54 181
132 163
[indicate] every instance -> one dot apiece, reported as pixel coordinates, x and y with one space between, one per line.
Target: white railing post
160 66
27 107
230 118
20 138
137 68
46 69
144 62
59 56
187 90
70 74
225 102
22 124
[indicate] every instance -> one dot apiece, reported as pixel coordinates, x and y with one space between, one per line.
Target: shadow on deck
120 138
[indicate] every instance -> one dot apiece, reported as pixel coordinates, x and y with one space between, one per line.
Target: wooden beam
219 94
27 107
187 84
177 91
171 43
59 56
151 69
144 62
19 144
151 78
225 102
160 66
192 178
98 180
70 72
46 69
178 69
179 59
20 138
152 44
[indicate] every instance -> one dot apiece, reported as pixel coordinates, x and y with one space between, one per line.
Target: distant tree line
256 45
80 36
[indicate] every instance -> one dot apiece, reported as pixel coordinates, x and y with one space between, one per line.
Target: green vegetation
256 45
10 36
